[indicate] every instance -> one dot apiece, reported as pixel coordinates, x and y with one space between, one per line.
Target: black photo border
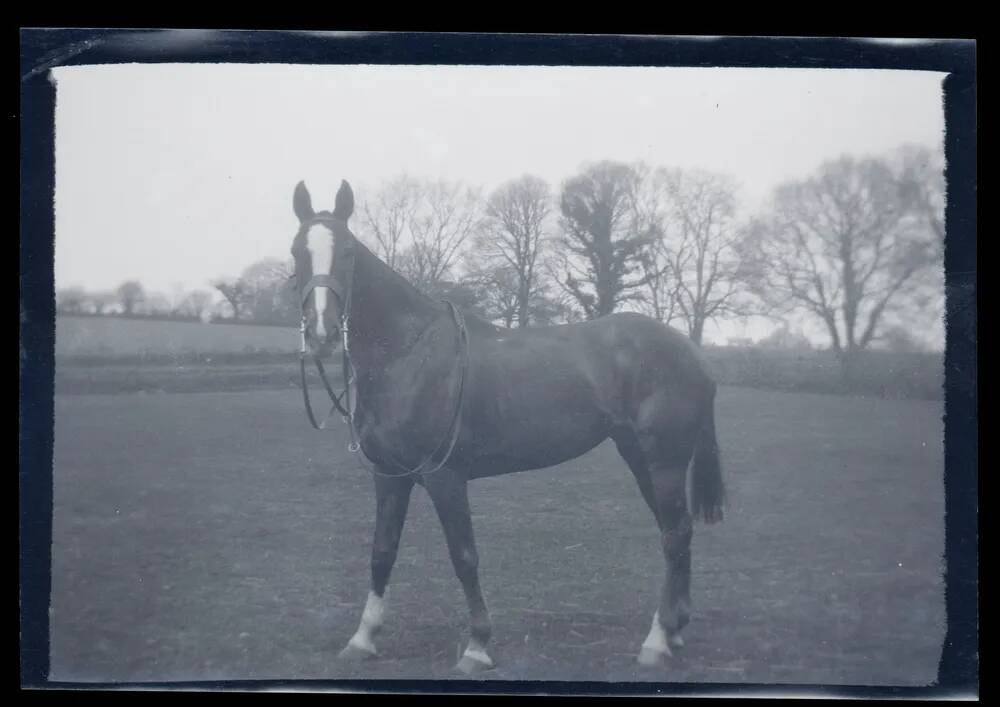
44 49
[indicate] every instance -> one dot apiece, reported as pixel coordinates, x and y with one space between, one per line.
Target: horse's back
608 365
622 340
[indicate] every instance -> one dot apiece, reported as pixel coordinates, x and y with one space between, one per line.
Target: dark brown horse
459 398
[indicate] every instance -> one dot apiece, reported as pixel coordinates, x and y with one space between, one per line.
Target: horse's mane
474 321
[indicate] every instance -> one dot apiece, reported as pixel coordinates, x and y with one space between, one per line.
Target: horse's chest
390 428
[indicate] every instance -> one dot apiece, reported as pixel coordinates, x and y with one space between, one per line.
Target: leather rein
342 403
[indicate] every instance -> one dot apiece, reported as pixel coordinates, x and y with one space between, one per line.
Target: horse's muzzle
320 347
324 348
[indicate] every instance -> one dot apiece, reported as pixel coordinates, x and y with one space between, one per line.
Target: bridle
343 293
342 403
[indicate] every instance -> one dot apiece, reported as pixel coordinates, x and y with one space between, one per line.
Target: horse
443 397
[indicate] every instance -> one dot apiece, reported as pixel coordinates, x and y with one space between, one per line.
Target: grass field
118 337
217 536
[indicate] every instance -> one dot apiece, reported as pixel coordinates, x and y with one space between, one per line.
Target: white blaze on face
319 243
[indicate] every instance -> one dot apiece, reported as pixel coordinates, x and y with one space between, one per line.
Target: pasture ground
122 336
216 535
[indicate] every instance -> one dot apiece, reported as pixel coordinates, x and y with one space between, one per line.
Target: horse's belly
538 438
538 410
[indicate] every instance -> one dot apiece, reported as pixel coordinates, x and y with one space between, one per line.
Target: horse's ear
344 205
302 203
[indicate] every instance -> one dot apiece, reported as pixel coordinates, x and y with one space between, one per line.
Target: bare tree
269 293
386 218
551 306
561 305
920 174
921 181
839 246
236 292
101 300
154 304
899 339
605 236
130 294
706 273
449 214
659 295
661 291
785 338
176 296
71 300
196 303
497 287
513 237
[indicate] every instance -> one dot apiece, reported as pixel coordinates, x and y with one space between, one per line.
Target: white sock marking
657 638
371 621
477 652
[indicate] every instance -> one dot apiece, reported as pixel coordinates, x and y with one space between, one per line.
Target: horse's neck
387 313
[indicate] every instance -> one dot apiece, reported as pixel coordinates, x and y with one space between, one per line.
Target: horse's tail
708 491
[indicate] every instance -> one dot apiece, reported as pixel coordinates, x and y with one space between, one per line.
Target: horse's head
324 253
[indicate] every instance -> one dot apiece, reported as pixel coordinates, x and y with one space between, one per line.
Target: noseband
330 283
327 281
342 402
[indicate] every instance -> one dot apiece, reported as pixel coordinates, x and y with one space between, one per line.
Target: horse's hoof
356 654
473 666
650 657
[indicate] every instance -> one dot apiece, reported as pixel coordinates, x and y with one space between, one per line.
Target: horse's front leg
392 498
448 490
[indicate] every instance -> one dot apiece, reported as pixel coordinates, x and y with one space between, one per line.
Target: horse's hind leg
675 536
666 456
392 498
628 446
658 642
659 487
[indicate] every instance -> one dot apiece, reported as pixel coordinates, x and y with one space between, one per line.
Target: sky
176 174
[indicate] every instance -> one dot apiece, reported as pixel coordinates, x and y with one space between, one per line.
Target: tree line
131 299
856 248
